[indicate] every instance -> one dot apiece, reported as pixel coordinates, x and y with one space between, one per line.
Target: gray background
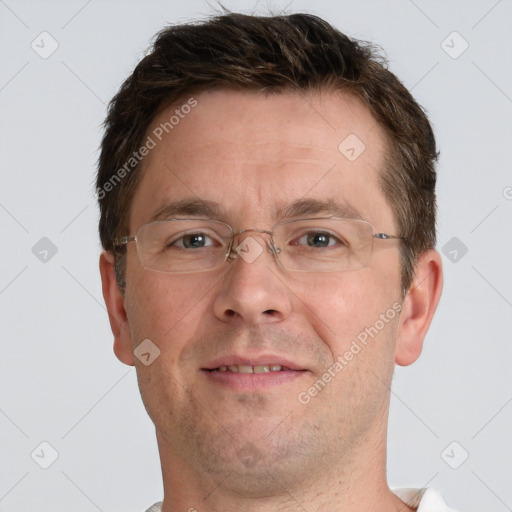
59 380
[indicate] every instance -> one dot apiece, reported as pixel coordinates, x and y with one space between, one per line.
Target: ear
114 300
419 306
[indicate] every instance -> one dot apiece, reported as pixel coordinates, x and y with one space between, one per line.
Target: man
267 195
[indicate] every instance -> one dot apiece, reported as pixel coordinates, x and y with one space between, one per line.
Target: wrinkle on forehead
252 151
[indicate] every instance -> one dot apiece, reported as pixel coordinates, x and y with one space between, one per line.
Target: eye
319 239
191 241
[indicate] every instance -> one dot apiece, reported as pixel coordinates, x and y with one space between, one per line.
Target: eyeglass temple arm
385 236
123 241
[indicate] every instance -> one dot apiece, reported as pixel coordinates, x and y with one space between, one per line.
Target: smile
244 368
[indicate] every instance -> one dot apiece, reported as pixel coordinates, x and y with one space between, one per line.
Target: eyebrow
299 208
188 208
328 207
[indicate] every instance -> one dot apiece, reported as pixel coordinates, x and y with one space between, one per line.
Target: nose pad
249 249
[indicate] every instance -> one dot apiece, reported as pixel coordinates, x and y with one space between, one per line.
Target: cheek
166 310
360 305
162 306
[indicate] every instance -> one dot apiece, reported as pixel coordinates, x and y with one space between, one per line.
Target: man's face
253 154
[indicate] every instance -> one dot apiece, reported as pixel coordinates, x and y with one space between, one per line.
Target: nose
253 291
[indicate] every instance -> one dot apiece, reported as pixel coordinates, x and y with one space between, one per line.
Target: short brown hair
297 52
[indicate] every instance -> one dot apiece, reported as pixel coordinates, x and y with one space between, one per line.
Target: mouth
256 374
247 368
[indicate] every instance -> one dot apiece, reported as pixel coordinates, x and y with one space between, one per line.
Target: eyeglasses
180 246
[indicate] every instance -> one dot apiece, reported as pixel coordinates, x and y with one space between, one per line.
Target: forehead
256 154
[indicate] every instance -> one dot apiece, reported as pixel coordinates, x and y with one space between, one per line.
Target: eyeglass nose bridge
233 248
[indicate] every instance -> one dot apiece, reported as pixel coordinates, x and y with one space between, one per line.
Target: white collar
423 500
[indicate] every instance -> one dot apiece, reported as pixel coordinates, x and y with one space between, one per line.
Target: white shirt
422 500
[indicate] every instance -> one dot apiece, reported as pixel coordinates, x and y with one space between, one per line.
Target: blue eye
319 239
192 241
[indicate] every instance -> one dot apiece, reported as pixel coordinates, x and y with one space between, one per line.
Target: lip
258 360
243 382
